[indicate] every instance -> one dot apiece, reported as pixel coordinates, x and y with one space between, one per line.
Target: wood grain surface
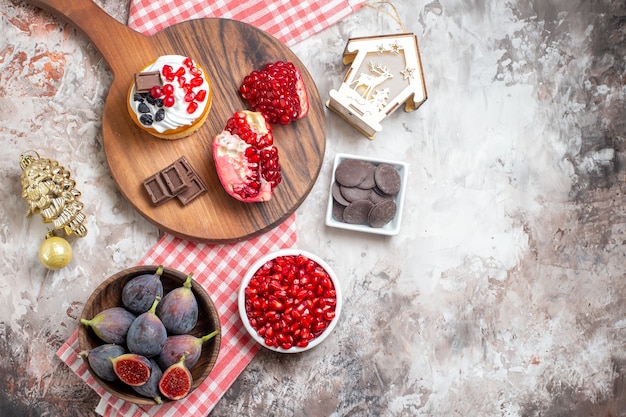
227 50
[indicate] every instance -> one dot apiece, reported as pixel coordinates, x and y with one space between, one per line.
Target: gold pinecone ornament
50 191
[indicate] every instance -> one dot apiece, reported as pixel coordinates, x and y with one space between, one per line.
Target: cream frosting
177 115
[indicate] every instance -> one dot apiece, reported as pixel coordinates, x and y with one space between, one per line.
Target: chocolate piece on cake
144 81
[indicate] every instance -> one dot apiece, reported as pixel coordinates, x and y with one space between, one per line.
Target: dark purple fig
146 335
151 388
139 293
176 381
179 309
99 359
132 369
111 325
178 345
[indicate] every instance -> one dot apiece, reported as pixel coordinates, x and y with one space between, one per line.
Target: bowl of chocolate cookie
366 194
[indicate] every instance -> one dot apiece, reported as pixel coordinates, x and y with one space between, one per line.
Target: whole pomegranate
246 158
278 91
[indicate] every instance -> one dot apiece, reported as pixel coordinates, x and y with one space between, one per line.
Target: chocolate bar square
157 190
176 178
144 81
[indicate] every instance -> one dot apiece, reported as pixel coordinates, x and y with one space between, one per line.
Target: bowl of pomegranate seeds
290 300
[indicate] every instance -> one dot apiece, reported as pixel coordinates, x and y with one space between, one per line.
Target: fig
139 293
99 359
246 159
179 309
176 381
183 344
151 388
111 325
132 369
146 335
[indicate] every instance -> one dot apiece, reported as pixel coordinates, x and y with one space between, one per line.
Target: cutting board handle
109 36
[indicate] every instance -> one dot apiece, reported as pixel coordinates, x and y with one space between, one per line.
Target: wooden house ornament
385 72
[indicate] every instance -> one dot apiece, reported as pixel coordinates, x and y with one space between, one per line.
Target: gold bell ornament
50 191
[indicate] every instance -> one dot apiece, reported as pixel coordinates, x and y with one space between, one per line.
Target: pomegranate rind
302 94
176 381
132 369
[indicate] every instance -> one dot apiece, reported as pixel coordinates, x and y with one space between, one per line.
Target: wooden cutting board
227 50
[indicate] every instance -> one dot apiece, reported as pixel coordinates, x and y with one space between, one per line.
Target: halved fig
132 369
176 380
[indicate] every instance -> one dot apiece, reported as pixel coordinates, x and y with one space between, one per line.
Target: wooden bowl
109 294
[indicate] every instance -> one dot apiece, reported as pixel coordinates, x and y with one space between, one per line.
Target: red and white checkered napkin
288 20
219 269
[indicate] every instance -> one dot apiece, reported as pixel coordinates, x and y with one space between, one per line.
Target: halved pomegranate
278 91
246 158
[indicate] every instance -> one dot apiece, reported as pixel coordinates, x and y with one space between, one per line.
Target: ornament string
394 14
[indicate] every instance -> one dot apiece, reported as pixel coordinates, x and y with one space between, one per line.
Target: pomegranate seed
156 91
180 72
167 70
168 89
192 107
201 95
196 81
169 101
188 62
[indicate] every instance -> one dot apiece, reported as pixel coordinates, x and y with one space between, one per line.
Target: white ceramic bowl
391 228
256 266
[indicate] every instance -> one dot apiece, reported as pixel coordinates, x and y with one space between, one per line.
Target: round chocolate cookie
355 193
338 196
350 172
377 196
387 179
382 213
338 211
368 182
357 212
